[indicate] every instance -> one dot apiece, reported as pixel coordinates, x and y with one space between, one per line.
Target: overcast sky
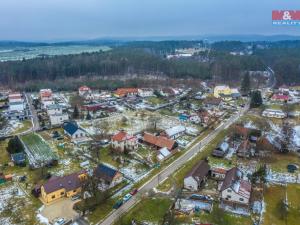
88 19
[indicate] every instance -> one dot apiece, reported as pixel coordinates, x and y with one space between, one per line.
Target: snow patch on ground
296 136
281 178
250 125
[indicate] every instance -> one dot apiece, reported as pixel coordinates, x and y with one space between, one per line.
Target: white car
127 197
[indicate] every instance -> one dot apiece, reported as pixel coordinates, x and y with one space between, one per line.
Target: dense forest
149 58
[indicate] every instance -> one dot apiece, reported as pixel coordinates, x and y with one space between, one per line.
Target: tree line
123 61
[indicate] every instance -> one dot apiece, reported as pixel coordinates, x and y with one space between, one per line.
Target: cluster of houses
234 189
55 111
242 142
17 107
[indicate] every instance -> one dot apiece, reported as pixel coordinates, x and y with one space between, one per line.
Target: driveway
62 208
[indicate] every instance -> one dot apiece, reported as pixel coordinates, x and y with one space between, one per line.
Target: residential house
280 98
16 102
126 92
264 146
46 97
197 176
174 132
84 90
145 92
222 90
123 141
58 187
167 92
108 176
235 191
244 149
211 102
75 132
56 114
58 119
16 107
221 150
218 173
273 113
241 131
159 141
54 109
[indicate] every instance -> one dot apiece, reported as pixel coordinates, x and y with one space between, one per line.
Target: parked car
60 221
134 191
127 197
118 204
75 197
104 142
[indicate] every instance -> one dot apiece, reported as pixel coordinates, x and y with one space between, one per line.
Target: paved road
166 172
34 117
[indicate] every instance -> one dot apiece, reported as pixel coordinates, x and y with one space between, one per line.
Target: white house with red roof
280 98
84 90
235 191
46 97
123 141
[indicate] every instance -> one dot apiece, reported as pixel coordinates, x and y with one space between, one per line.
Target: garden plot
38 150
15 206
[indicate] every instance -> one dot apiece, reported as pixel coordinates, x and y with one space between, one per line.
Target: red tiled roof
280 97
159 141
124 91
121 136
219 170
84 88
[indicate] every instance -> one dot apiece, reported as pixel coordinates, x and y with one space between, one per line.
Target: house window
228 196
229 191
241 199
62 193
53 196
74 191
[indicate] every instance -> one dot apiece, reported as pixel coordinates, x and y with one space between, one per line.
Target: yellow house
59 187
224 92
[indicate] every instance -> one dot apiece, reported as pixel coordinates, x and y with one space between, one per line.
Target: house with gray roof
197 176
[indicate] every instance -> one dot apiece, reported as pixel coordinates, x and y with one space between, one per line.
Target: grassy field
26 125
156 100
220 217
278 162
273 198
150 209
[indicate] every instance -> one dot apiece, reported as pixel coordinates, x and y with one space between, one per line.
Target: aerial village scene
84 154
